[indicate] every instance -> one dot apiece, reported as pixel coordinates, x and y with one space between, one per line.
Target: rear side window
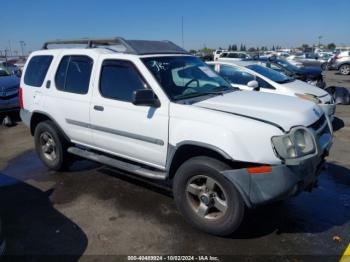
37 69
73 74
119 80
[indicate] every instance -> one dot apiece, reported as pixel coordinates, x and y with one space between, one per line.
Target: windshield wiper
200 94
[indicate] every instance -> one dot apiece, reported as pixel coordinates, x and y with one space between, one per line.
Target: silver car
341 62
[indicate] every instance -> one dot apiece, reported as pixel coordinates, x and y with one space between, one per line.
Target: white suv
156 111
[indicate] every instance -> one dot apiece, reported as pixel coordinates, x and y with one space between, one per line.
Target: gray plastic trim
117 132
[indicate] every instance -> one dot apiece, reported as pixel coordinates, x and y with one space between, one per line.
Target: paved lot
93 210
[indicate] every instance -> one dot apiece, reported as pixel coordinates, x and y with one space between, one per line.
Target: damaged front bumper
284 180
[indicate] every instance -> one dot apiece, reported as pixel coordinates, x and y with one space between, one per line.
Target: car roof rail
137 47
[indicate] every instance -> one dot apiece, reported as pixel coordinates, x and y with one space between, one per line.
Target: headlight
298 143
309 97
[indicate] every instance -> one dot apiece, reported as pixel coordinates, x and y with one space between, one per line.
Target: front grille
319 123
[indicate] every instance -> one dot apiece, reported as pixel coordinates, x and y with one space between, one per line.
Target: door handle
99 108
48 84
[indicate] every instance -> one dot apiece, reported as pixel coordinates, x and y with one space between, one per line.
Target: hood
9 83
312 70
301 87
283 111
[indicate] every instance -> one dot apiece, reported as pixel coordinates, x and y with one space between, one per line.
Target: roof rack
137 47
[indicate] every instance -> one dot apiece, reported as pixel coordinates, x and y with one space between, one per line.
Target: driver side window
235 76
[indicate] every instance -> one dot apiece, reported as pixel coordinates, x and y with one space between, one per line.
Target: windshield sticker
208 71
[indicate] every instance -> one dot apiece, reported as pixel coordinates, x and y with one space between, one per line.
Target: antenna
182 32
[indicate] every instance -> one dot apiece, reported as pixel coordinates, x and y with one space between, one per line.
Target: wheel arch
38 117
187 149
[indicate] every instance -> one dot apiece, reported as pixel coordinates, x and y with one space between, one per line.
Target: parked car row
164 114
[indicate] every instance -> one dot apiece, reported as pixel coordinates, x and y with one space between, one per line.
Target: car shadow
326 207
337 124
313 212
32 227
10 119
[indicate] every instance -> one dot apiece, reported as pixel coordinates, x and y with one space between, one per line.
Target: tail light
20 96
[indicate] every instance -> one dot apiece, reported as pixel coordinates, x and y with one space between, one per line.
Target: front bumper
329 110
284 180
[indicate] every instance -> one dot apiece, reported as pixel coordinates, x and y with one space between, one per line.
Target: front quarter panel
243 139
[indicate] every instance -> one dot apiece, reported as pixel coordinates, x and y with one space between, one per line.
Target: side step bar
109 161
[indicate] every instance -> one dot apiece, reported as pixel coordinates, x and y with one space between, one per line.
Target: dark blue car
9 87
310 74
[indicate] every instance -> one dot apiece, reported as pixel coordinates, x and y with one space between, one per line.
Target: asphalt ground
96 213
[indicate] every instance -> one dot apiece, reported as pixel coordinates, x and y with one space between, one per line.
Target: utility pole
182 32
22 44
319 41
10 48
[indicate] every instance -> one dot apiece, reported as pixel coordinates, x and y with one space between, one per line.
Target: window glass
119 80
271 74
183 77
73 74
61 73
235 75
36 70
264 84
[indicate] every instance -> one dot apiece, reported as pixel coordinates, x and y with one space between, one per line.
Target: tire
344 69
189 177
47 140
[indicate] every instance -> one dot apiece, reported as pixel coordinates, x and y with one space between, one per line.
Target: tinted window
271 74
264 84
235 76
73 74
36 70
119 80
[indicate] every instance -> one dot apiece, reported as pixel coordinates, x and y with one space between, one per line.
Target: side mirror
254 85
145 97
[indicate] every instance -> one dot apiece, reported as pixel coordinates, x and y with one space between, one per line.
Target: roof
118 44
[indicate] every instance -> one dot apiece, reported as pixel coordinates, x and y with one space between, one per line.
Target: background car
251 76
341 62
310 74
9 87
233 56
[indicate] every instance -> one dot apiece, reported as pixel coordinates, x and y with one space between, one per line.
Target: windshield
184 77
270 74
287 65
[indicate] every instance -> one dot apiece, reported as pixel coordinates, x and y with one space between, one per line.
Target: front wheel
206 198
51 146
344 69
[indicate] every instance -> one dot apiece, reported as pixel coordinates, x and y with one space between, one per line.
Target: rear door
138 133
68 95
32 83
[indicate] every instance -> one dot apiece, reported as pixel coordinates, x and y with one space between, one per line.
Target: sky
287 23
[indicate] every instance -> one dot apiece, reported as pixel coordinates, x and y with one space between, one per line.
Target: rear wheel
51 146
344 69
206 198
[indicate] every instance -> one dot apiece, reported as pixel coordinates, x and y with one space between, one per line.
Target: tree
251 49
241 48
331 46
234 47
304 46
273 48
229 48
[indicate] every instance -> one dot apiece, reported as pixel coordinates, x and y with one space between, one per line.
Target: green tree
331 46
251 49
192 51
234 47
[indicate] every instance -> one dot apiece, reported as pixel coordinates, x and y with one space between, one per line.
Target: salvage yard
95 210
